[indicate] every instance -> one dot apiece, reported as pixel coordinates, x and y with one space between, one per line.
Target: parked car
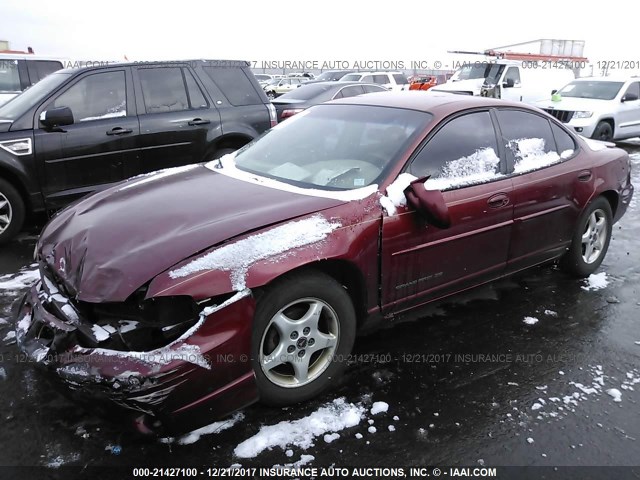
280 86
331 76
604 108
348 214
263 78
79 130
423 82
506 79
395 81
306 96
20 71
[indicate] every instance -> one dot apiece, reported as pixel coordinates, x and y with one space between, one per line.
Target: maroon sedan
189 293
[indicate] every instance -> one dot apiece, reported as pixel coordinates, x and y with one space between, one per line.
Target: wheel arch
17 183
613 198
234 140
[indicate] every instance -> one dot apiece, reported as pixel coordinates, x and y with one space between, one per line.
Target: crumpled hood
108 245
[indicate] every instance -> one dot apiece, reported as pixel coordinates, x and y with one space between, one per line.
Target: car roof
204 62
436 103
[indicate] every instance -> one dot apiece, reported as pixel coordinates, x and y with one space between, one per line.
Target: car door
629 112
94 150
421 262
175 117
511 85
545 181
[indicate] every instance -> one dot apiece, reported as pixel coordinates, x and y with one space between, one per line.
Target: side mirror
430 203
629 97
554 91
57 117
508 83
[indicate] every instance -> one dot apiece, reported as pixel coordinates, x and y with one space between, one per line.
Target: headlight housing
582 114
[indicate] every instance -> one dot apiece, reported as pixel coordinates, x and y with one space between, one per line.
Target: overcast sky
311 30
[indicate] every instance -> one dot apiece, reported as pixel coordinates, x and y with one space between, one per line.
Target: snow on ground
215 427
379 407
615 394
395 193
10 336
530 320
238 257
551 313
332 417
3 373
60 460
596 281
22 279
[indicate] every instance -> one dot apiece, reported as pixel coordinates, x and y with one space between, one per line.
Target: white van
520 81
19 71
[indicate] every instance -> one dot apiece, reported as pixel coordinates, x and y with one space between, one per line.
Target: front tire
603 132
12 211
590 240
304 330
271 94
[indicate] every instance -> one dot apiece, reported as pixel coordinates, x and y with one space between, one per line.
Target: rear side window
463 152
564 142
196 97
381 79
163 89
372 89
38 69
9 77
528 140
366 78
96 97
235 85
351 91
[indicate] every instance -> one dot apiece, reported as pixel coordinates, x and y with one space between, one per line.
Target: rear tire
12 211
603 132
590 240
303 332
271 95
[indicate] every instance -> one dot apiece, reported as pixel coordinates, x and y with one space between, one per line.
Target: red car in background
422 82
189 293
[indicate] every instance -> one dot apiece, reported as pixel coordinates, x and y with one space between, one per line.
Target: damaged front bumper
203 375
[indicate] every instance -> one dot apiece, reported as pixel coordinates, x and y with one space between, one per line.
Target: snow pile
157 175
237 257
215 427
331 437
480 166
596 281
22 279
615 394
566 154
530 155
379 407
530 320
332 417
395 193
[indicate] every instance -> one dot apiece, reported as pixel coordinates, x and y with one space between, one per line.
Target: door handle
119 131
199 121
499 200
584 176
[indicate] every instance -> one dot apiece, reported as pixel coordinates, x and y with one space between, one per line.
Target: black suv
79 130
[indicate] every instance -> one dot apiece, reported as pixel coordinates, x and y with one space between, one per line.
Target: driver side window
95 97
463 152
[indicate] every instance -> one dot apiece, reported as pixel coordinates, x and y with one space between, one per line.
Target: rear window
307 91
400 79
352 77
235 85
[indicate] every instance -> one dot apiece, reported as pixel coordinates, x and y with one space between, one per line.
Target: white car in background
395 81
20 71
603 108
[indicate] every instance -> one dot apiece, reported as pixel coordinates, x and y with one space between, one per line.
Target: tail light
272 114
291 112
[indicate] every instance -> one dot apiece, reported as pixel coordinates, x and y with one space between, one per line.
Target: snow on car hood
108 245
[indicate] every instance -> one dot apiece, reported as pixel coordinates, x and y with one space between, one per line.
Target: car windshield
470 72
333 147
27 99
596 90
352 77
307 92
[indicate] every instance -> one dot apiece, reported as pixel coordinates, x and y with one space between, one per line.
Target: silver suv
604 108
